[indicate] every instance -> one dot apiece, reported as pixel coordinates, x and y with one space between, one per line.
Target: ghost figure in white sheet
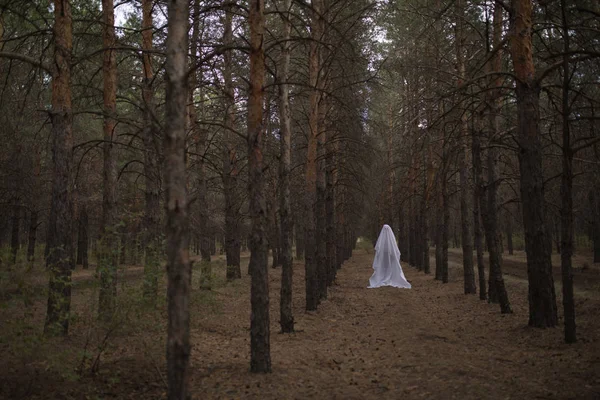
386 265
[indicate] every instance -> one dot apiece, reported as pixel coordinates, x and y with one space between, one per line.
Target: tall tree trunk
566 193
32 235
199 137
260 348
330 211
595 206
542 297
439 217
341 221
14 237
232 234
557 234
108 257
177 229
427 175
445 232
83 239
320 216
389 184
412 218
445 220
286 318
58 243
465 215
150 137
509 234
311 254
300 239
497 290
477 201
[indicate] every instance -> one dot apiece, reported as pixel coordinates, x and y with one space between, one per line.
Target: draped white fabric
386 265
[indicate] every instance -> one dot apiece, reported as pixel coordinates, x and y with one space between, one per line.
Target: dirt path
429 342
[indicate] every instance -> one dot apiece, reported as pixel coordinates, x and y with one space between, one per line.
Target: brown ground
430 342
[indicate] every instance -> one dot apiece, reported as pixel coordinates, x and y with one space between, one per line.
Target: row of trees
269 126
110 120
495 119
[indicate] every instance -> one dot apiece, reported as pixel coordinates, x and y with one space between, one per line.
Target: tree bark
595 206
83 239
232 234
496 288
286 318
300 239
260 348
465 220
439 217
320 216
14 237
424 220
199 137
58 243
477 201
566 193
509 234
150 137
311 261
33 225
108 257
330 210
542 297
177 229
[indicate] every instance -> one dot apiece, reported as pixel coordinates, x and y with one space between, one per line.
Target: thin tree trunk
108 257
439 217
509 234
465 215
477 201
497 290
260 348
150 136
557 231
341 222
286 318
300 239
199 136
412 218
595 206
232 234
311 254
83 239
566 194
427 174
177 230
542 297
33 225
14 238
445 220
330 211
59 243
445 230
321 213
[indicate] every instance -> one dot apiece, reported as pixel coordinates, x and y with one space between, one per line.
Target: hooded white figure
386 265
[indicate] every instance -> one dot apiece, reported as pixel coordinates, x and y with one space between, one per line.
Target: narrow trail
428 342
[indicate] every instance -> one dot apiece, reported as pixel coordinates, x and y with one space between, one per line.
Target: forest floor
429 342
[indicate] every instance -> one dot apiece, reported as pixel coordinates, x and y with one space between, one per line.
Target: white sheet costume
386 265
